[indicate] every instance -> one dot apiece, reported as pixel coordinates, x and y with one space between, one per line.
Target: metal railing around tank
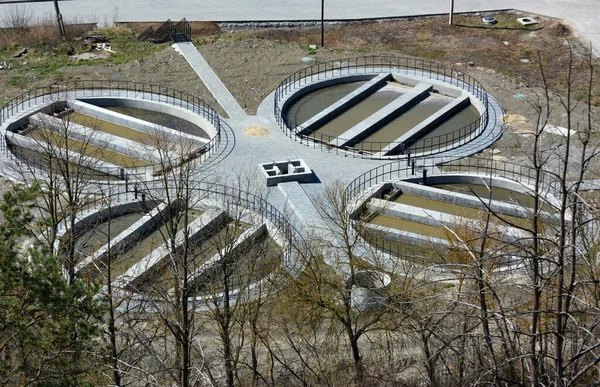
398 170
379 65
101 88
194 193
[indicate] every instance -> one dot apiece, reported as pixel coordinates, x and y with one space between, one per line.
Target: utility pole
59 19
322 23
451 19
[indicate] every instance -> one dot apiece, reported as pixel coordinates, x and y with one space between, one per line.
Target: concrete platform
383 116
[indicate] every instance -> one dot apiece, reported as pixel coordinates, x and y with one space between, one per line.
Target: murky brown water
500 194
201 252
409 226
162 119
454 209
145 247
87 149
361 111
461 119
255 263
317 101
390 132
90 241
108 127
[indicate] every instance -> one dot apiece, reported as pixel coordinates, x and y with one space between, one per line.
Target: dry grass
43 37
499 47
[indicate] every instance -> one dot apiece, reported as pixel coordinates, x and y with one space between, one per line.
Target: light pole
451 19
61 25
322 23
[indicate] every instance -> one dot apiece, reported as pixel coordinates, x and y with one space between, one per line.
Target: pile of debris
97 42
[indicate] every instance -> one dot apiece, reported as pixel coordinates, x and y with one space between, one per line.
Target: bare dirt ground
252 62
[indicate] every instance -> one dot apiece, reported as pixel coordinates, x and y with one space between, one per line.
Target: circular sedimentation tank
385 107
109 130
231 236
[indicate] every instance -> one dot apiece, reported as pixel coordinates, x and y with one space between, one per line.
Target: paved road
581 14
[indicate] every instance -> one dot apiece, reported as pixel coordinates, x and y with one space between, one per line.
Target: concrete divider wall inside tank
17 123
241 244
72 156
392 234
438 86
154 106
131 235
116 210
430 123
410 188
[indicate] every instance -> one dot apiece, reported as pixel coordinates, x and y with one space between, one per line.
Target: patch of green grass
126 45
41 63
18 81
432 53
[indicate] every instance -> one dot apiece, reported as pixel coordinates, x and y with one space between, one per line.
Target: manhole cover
489 20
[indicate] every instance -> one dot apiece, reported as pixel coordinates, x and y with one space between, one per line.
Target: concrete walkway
211 80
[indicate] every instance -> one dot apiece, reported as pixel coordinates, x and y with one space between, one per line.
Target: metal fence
100 88
396 170
378 65
193 192
182 31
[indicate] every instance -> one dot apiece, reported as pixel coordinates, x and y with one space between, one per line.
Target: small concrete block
284 171
527 21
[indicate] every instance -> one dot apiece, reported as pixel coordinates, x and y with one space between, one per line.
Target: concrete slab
383 116
210 79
